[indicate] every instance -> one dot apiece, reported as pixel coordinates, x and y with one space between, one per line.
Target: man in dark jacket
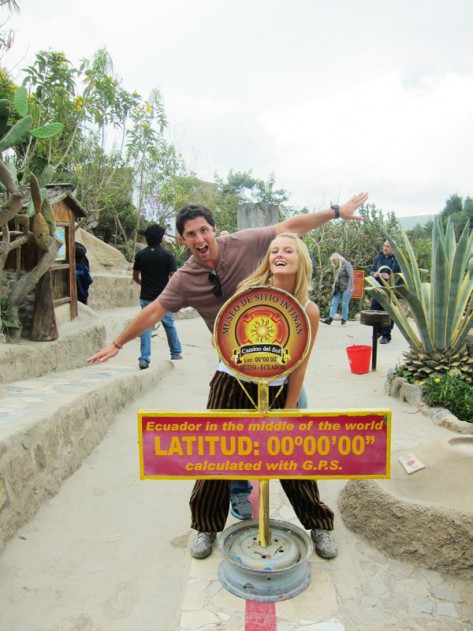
384 265
83 276
152 269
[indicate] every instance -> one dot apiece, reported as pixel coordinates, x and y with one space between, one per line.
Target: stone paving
360 590
22 398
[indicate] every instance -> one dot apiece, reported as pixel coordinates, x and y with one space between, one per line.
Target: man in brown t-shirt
209 278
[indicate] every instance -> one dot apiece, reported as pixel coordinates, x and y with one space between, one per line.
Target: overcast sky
333 96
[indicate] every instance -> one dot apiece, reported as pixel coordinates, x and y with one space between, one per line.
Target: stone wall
110 291
77 341
413 531
112 274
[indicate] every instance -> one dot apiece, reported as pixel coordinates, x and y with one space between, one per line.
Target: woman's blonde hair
338 257
262 275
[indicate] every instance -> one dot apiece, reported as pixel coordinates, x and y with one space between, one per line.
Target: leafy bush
7 318
452 393
401 371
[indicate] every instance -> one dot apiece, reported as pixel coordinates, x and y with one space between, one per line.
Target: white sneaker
325 546
202 545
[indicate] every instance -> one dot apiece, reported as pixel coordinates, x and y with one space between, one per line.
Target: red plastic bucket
359 358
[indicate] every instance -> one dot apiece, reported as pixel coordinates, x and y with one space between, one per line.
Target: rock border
429 535
407 530
410 393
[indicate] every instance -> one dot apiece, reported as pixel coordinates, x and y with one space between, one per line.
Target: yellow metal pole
264 534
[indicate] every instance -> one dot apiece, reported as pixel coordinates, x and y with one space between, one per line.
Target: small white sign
411 463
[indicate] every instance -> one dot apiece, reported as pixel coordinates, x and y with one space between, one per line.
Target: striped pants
210 499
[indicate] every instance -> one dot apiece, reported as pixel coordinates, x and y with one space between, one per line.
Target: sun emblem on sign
262 330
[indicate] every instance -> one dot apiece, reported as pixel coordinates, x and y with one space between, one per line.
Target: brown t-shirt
238 256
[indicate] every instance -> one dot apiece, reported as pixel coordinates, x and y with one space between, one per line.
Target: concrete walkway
110 552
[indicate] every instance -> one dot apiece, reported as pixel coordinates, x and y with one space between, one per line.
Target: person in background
83 275
152 269
384 265
342 287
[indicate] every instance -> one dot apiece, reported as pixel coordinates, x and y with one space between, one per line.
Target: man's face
199 237
387 249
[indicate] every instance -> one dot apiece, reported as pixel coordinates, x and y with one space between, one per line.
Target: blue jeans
344 296
171 334
243 486
302 403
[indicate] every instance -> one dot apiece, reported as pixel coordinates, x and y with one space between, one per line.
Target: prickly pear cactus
16 133
40 231
46 176
48 214
39 224
35 193
16 125
5 110
23 127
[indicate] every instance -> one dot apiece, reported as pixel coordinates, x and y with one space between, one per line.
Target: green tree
106 103
421 240
7 86
458 211
51 83
453 205
159 173
113 142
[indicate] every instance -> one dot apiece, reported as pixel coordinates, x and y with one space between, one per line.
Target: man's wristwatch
336 210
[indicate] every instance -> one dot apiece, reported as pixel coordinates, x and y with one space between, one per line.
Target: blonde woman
286 266
342 287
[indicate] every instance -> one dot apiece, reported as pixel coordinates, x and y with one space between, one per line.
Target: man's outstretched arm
305 223
147 318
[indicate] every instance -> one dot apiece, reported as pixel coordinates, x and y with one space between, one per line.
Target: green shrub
7 318
452 393
401 371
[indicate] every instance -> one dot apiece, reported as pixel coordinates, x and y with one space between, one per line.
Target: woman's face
283 256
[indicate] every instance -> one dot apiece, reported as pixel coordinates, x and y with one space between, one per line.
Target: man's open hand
347 210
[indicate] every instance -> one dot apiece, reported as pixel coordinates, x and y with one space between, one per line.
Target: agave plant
442 309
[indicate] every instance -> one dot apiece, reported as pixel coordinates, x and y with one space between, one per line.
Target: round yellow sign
262 333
